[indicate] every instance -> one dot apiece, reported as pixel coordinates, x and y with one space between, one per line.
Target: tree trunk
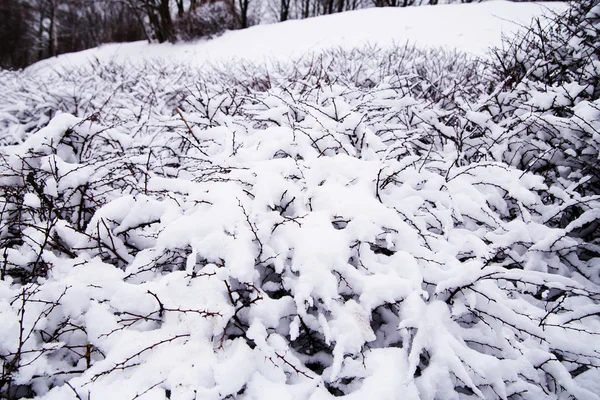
244 5
180 8
284 12
53 31
166 23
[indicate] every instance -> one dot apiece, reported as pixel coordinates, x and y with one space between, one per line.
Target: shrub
357 223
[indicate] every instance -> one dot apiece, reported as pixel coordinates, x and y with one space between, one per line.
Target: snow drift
471 28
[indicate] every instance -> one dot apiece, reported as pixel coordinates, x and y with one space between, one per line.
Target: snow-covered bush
358 224
544 117
550 77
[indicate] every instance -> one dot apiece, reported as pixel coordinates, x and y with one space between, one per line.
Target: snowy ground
373 223
471 28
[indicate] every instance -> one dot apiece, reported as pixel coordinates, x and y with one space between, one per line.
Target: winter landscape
383 203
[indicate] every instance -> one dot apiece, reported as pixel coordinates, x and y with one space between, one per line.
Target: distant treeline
32 30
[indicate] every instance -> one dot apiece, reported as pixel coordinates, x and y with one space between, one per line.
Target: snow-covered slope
468 27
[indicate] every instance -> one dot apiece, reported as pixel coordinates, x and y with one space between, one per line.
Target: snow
471 28
330 234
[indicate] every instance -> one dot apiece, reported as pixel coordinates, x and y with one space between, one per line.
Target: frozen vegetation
365 223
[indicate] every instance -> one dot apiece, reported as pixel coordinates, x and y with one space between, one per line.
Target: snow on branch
360 223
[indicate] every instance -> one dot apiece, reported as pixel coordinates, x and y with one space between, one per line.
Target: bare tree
284 10
36 29
158 13
15 33
243 7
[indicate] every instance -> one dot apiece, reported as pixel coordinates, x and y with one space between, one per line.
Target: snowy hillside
366 222
472 28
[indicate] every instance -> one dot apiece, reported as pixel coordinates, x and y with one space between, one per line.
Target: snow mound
471 28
